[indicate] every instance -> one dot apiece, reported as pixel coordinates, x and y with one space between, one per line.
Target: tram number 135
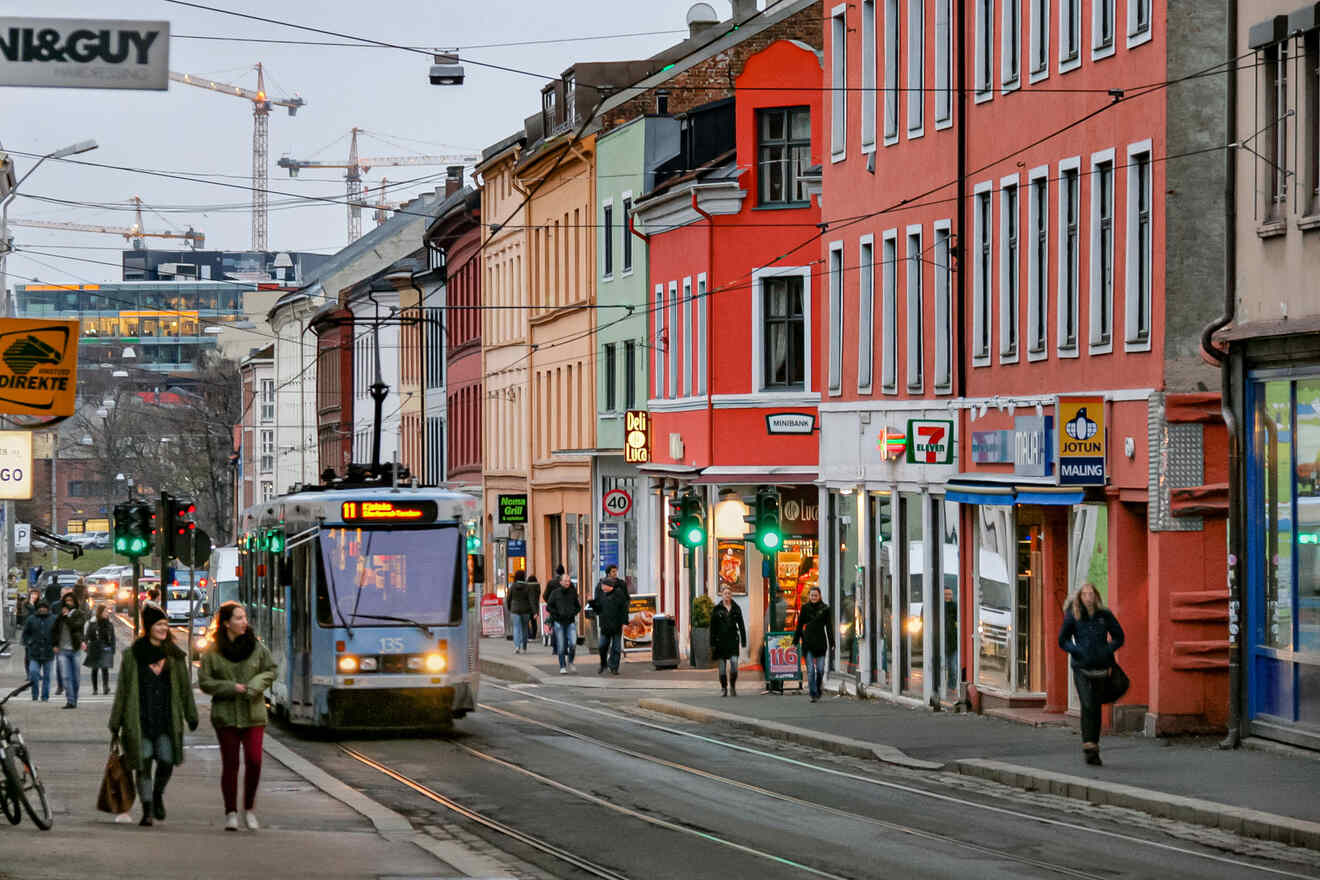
391 646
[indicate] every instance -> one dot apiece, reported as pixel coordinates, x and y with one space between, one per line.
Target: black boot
146 814
733 682
158 805
1093 756
724 686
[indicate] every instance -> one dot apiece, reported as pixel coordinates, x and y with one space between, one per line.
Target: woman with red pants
236 672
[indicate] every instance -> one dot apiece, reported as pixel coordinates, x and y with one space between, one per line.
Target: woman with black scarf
236 672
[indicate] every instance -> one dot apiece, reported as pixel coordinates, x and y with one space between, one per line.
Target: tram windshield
405 574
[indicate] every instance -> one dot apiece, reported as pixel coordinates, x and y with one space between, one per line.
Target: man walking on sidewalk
520 606
40 649
563 606
611 609
67 634
815 632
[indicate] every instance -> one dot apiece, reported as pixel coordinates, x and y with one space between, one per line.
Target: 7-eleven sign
929 441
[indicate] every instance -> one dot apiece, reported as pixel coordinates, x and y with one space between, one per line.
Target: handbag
117 790
1113 686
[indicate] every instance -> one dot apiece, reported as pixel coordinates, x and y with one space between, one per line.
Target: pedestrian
153 595
610 605
80 593
101 644
952 670
236 671
24 605
520 606
728 636
153 700
39 648
1090 634
533 597
815 632
563 606
67 634
53 593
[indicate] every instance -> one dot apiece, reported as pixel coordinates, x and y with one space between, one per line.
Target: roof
500 146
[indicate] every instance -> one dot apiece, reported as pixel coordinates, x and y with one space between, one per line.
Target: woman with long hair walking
101 644
728 636
237 671
1090 634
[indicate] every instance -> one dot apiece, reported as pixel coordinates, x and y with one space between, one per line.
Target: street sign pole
192 604
137 601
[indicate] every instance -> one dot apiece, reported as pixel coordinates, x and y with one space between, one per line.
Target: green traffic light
137 546
121 545
695 536
770 540
275 541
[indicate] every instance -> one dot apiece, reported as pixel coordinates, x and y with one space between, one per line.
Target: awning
997 489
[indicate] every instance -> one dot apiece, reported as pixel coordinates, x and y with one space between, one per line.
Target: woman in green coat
237 671
153 700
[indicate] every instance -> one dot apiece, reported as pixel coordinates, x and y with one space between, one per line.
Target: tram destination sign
421 511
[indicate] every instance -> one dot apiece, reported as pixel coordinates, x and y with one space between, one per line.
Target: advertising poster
733 566
492 617
641 613
783 662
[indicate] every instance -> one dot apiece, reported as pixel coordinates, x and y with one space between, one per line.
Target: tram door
300 623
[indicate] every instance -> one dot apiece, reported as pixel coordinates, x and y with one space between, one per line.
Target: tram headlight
367 664
435 663
414 664
348 664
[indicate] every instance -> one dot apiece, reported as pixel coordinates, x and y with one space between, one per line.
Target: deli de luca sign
38 366
637 436
1081 436
84 53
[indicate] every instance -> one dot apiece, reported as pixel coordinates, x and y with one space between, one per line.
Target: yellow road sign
38 366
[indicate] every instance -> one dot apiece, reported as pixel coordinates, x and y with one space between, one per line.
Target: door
300 623
1029 594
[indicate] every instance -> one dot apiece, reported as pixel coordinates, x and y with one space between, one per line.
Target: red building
1011 202
333 326
735 322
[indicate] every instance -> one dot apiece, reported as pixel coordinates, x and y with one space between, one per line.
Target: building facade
255 469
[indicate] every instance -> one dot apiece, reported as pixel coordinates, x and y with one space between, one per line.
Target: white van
224 576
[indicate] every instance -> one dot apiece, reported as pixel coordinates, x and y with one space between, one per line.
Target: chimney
743 9
453 179
701 18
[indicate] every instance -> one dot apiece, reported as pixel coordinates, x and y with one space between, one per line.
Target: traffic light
177 525
766 531
473 539
687 522
275 540
133 529
123 525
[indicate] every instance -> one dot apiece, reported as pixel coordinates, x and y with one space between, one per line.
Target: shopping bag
117 790
1113 686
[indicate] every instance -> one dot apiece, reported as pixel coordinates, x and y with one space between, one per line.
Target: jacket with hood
563 604
815 629
74 623
1091 639
38 630
520 599
611 608
244 661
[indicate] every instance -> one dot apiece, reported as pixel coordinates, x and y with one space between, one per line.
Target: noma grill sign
84 53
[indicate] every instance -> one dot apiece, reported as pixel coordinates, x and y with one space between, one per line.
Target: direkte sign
929 441
513 509
15 465
84 53
637 436
38 366
1081 436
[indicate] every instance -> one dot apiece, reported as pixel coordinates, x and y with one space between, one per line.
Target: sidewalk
305 832
1259 793
540 666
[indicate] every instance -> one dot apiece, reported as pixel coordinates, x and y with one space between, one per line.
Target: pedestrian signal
687 521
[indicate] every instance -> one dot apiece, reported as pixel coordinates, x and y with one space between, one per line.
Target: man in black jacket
610 606
563 606
815 632
520 605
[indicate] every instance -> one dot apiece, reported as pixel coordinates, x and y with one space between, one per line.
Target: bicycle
22 785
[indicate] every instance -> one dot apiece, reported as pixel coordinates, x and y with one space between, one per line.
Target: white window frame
1010 77
1096 345
915 308
625 200
838 83
701 305
758 329
1069 10
865 314
889 311
1098 49
916 69
892 67
267 400
660 342
266 464
1040 40
1132 295
607 244
985 41
943 64
942 378
982 314
834 318
674 341
1062 348
1137 37
870 96
689 349
1010 313
1038 282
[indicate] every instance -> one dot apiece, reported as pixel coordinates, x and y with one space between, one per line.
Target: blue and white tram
364 598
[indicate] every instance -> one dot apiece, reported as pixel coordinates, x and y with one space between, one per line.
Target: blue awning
1032 495
978 493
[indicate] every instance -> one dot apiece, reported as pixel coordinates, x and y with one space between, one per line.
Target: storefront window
951 659
994 602
1274 444
910 611
1027 617
882 564
1307 455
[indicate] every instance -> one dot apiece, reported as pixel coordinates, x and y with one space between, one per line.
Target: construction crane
261 105
134 233
356 166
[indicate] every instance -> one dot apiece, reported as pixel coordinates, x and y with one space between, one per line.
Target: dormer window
570 99
548 108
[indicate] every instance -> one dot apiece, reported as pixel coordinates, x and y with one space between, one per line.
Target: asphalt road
642 796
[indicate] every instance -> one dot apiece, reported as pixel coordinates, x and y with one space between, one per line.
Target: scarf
239 649
145 653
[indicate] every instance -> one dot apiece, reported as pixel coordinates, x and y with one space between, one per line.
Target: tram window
412 573
324 616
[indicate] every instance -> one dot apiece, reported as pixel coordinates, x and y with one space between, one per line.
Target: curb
519 673
1249 823
385 820
839 745
514 672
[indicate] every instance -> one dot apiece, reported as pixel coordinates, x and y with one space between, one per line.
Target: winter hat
151 614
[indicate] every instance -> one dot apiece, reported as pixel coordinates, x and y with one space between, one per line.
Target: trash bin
664 642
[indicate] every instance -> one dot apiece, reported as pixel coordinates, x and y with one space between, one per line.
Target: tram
364 599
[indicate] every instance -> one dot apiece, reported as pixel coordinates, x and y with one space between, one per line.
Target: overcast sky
195 132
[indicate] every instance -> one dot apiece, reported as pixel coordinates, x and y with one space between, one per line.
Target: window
1138 288
1070 34
1138 17
548 117
1102 28
661 341
1011 63
1070 198
1311 67
1102 250
784 151
1040 38
838 83
891 71
675 341
1275 129
784 318
267 451
607 230
889 307
868 75
836 318
985 36
611 377
267 400
916 67
701 306
267 490
1009 283
689 350
1038 305
943 62
866 313
627 233
984 284
630 375
943 310
916 315
570 99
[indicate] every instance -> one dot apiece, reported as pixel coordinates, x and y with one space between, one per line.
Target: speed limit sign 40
617 502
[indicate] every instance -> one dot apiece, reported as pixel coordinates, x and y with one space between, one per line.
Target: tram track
953 800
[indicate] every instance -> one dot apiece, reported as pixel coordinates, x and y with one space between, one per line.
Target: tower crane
261 104
356 166
134 233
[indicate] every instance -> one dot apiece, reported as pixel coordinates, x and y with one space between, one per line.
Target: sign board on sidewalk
16 465
38 366
641 613
492 616
1081 441
80 53
783 661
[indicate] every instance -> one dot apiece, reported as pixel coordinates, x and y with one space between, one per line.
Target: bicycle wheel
26 785
9 805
